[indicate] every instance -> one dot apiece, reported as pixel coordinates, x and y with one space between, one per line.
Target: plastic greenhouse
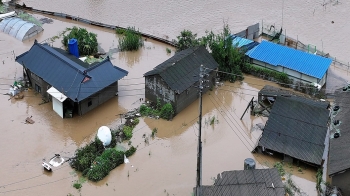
19 28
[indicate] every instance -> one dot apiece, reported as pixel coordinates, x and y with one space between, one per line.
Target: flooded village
280 131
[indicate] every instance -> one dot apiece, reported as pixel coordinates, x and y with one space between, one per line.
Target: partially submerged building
296 128
298 65
19 29
176 80
339 148
73 85
252 182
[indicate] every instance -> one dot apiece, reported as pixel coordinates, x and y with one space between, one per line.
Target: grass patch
157 110
131 40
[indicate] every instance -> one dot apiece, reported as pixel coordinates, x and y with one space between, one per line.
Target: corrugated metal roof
240 41
278 55
255 182
296 128
339 148
67 75
178 71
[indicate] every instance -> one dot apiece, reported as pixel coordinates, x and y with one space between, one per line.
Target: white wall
57 106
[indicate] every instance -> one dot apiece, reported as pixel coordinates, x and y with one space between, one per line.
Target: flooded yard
164 166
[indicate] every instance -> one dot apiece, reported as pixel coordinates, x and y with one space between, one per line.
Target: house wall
292 74
97 99
342 181
190 95
156 88
38 82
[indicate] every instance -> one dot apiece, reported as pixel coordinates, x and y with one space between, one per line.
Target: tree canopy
87 41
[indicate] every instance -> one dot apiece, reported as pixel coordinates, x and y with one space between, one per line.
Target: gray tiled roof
339 151
255 182
66 75
179 71
275 91
296 128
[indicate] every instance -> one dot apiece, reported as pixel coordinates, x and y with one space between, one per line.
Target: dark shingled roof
179 71
255 182
339 151
67 75
275 91
296 128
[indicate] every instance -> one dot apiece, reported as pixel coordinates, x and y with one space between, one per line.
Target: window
89 103
37 88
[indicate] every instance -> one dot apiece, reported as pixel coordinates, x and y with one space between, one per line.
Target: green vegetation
168 50
2 8
131 39
87 41
280 168
120 31
154 132
186 39
289 185
166 111
229 58
212 120
319 180
96 161
280 77
27 17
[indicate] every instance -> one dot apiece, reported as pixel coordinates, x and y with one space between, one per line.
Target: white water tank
104 134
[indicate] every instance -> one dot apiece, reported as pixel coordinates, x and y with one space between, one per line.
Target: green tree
87 41
186 39
229 58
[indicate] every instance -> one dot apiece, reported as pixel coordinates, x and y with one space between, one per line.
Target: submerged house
251 182
176 80
296 128
298 65
73 85
339 148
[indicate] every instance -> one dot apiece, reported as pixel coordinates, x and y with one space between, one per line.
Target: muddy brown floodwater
165 165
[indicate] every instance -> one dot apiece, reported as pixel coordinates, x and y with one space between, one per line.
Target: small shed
174 81
57 100
253 182
19 29
298 65
296 128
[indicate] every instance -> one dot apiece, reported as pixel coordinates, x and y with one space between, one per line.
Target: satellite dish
104 134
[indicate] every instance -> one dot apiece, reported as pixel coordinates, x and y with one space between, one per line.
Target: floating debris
29 120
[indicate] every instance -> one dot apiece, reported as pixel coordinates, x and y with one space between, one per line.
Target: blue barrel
73 47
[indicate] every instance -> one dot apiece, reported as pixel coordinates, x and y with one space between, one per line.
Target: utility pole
199 155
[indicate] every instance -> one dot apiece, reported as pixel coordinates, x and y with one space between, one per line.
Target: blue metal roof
240 41
67 75
278 55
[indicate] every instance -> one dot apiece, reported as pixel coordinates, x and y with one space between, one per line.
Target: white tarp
56 94
104 134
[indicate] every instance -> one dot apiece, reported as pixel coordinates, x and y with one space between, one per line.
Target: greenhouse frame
20 29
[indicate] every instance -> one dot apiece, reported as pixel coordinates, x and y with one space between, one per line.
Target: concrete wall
156 88
36 82
342 181
97 99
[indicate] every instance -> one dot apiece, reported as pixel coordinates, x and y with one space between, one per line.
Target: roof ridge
66 62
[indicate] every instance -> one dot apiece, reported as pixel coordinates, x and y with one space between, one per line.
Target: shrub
130 152
168 50
77 185
119 31
131 40
167 111
127 132
87 41
145 110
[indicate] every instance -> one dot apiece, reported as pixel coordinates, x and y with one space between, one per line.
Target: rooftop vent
336 122
336 135
336 108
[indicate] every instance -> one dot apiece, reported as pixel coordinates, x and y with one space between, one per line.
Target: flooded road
164 166
308 21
